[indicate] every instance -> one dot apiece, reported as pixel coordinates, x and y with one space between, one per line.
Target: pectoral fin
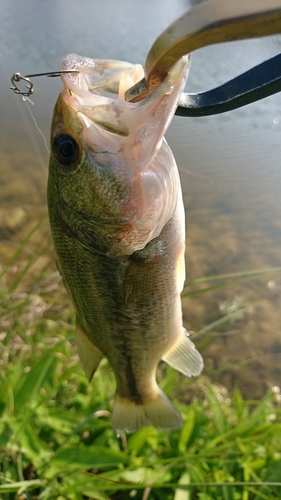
184 356
90 356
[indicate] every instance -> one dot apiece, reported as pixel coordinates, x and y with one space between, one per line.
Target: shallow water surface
230 165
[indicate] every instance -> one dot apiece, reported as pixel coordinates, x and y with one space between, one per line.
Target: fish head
112 174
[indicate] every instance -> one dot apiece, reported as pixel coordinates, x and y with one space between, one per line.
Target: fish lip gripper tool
211 22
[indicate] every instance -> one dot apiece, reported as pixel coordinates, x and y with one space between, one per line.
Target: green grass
55 436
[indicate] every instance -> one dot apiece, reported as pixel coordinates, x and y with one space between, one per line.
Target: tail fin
127 416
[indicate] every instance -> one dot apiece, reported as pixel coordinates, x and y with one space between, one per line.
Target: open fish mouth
105 78
97 92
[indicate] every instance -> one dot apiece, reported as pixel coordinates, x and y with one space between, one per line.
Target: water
229 164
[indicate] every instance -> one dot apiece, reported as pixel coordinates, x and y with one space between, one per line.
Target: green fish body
117 220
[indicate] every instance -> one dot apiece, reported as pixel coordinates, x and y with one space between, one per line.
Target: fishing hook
17 77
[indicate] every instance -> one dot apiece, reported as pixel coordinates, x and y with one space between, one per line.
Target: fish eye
66 150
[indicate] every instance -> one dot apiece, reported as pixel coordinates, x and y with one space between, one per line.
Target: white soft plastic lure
117 219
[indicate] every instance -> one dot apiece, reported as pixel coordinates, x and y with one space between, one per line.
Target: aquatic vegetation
55 436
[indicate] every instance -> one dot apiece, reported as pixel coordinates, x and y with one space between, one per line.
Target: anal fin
90 356
184 357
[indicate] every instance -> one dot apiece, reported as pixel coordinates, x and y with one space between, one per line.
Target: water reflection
229 164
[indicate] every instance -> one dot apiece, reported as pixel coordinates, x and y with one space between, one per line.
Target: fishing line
25 99
194 174
32 138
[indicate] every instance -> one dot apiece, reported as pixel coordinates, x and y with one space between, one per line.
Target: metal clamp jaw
216 21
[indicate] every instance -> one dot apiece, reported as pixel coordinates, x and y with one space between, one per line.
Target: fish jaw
93 93
124 142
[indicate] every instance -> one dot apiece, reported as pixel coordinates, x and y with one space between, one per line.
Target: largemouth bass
117 220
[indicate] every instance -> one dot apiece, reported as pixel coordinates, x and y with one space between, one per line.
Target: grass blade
29 389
